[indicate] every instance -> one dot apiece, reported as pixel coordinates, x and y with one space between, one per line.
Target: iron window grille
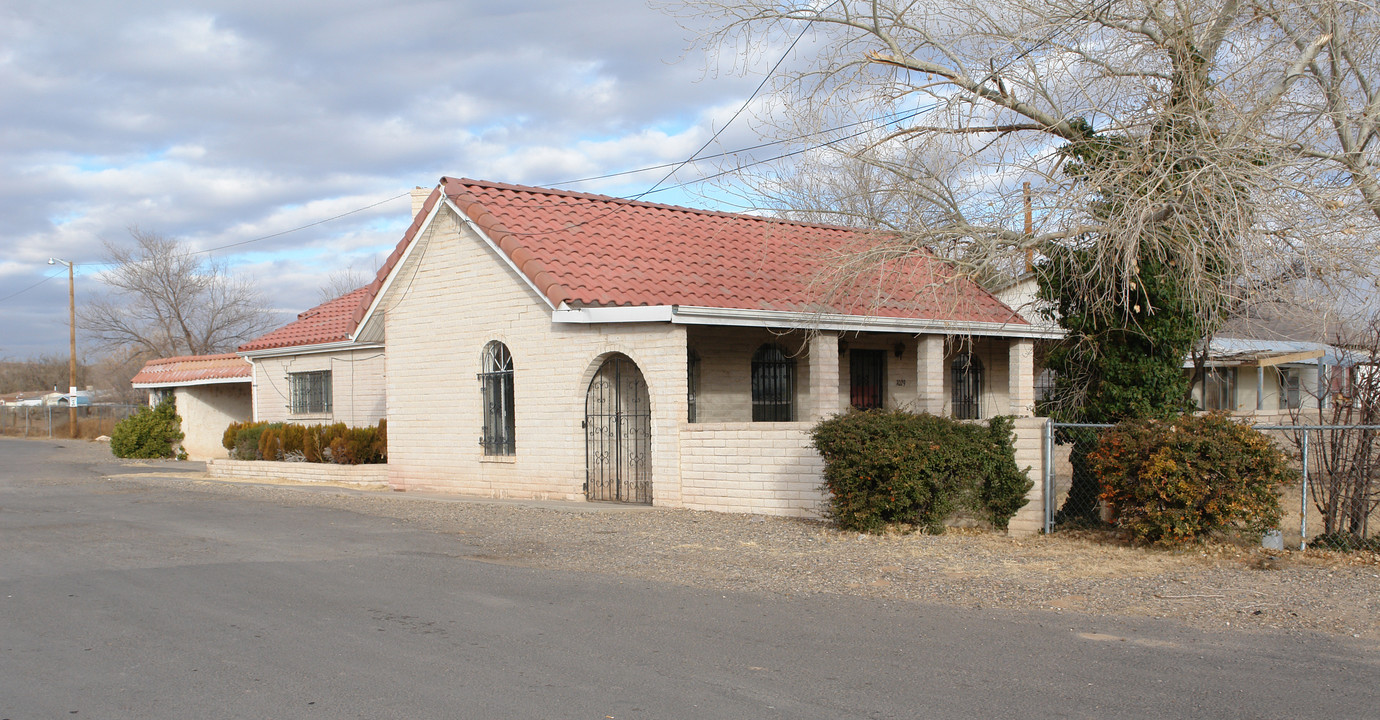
773 385
311 392
496 388
967 378
866 371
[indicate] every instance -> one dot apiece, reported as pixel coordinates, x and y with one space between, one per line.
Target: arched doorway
618 434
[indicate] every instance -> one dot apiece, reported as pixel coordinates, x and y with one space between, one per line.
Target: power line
301 227
17 293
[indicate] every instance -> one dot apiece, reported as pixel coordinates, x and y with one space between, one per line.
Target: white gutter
735 317
251 355
189 383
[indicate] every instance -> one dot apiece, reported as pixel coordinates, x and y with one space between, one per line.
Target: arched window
773 385
967 374
496 385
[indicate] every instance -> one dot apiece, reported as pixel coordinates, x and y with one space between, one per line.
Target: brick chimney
419 196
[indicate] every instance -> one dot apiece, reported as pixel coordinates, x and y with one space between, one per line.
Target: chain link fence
1335 504
51 421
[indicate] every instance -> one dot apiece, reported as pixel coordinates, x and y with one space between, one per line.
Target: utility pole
72 347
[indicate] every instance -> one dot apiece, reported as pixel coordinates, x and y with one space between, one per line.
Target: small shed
211 391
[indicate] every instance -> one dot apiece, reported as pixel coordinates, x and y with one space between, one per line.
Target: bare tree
166 301
1234 138
41 372
342 282
1344 458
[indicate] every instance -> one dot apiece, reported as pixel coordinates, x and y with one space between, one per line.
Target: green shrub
149 433
293 439
271 443
890 467
232 431
1171 483
338 442
247 440
311 445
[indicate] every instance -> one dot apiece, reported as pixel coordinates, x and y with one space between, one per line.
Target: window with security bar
496 387
867 374
773 385
967 387
311 392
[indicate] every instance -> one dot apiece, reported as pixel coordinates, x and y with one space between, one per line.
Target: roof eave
736 317
186 383
252 355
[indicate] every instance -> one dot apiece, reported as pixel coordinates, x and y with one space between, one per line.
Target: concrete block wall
1030 448
764 468
265 471
452 296
357 387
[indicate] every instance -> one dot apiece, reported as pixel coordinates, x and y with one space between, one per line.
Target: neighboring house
211 391
551 344
1269 380
311 371
28 398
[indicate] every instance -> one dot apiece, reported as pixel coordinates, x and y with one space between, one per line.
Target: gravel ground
1217 587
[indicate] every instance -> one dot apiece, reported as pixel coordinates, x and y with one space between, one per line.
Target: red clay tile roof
328 322
597 251
190 369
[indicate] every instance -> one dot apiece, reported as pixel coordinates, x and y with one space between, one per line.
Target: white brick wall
1029 520
765 468
264 471
439 315
357 387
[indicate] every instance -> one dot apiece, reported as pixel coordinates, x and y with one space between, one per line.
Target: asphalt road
126 599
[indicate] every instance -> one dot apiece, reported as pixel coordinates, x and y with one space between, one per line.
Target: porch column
929 374
1020 383
824 375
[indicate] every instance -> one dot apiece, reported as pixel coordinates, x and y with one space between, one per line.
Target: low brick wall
765 468
1030 457
298 471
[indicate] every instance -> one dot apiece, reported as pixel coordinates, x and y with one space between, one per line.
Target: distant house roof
593 251
1254 351
193 370
329 322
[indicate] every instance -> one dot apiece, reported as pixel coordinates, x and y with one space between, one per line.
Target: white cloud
219 122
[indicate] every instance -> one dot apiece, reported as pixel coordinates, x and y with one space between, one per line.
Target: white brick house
311 371
548 344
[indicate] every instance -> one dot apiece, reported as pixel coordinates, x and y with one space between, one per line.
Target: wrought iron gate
618 434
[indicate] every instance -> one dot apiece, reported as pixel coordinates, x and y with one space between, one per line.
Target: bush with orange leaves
1175 482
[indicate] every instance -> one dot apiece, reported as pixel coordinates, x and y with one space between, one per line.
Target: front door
618 434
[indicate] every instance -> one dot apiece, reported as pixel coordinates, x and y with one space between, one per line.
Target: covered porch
755 393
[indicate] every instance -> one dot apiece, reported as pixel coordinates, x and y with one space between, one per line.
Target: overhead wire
694 157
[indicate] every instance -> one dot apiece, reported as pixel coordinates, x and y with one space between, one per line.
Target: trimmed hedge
1171 483
153 432
893 468
335 443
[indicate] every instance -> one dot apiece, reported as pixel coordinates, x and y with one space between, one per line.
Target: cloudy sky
223 122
